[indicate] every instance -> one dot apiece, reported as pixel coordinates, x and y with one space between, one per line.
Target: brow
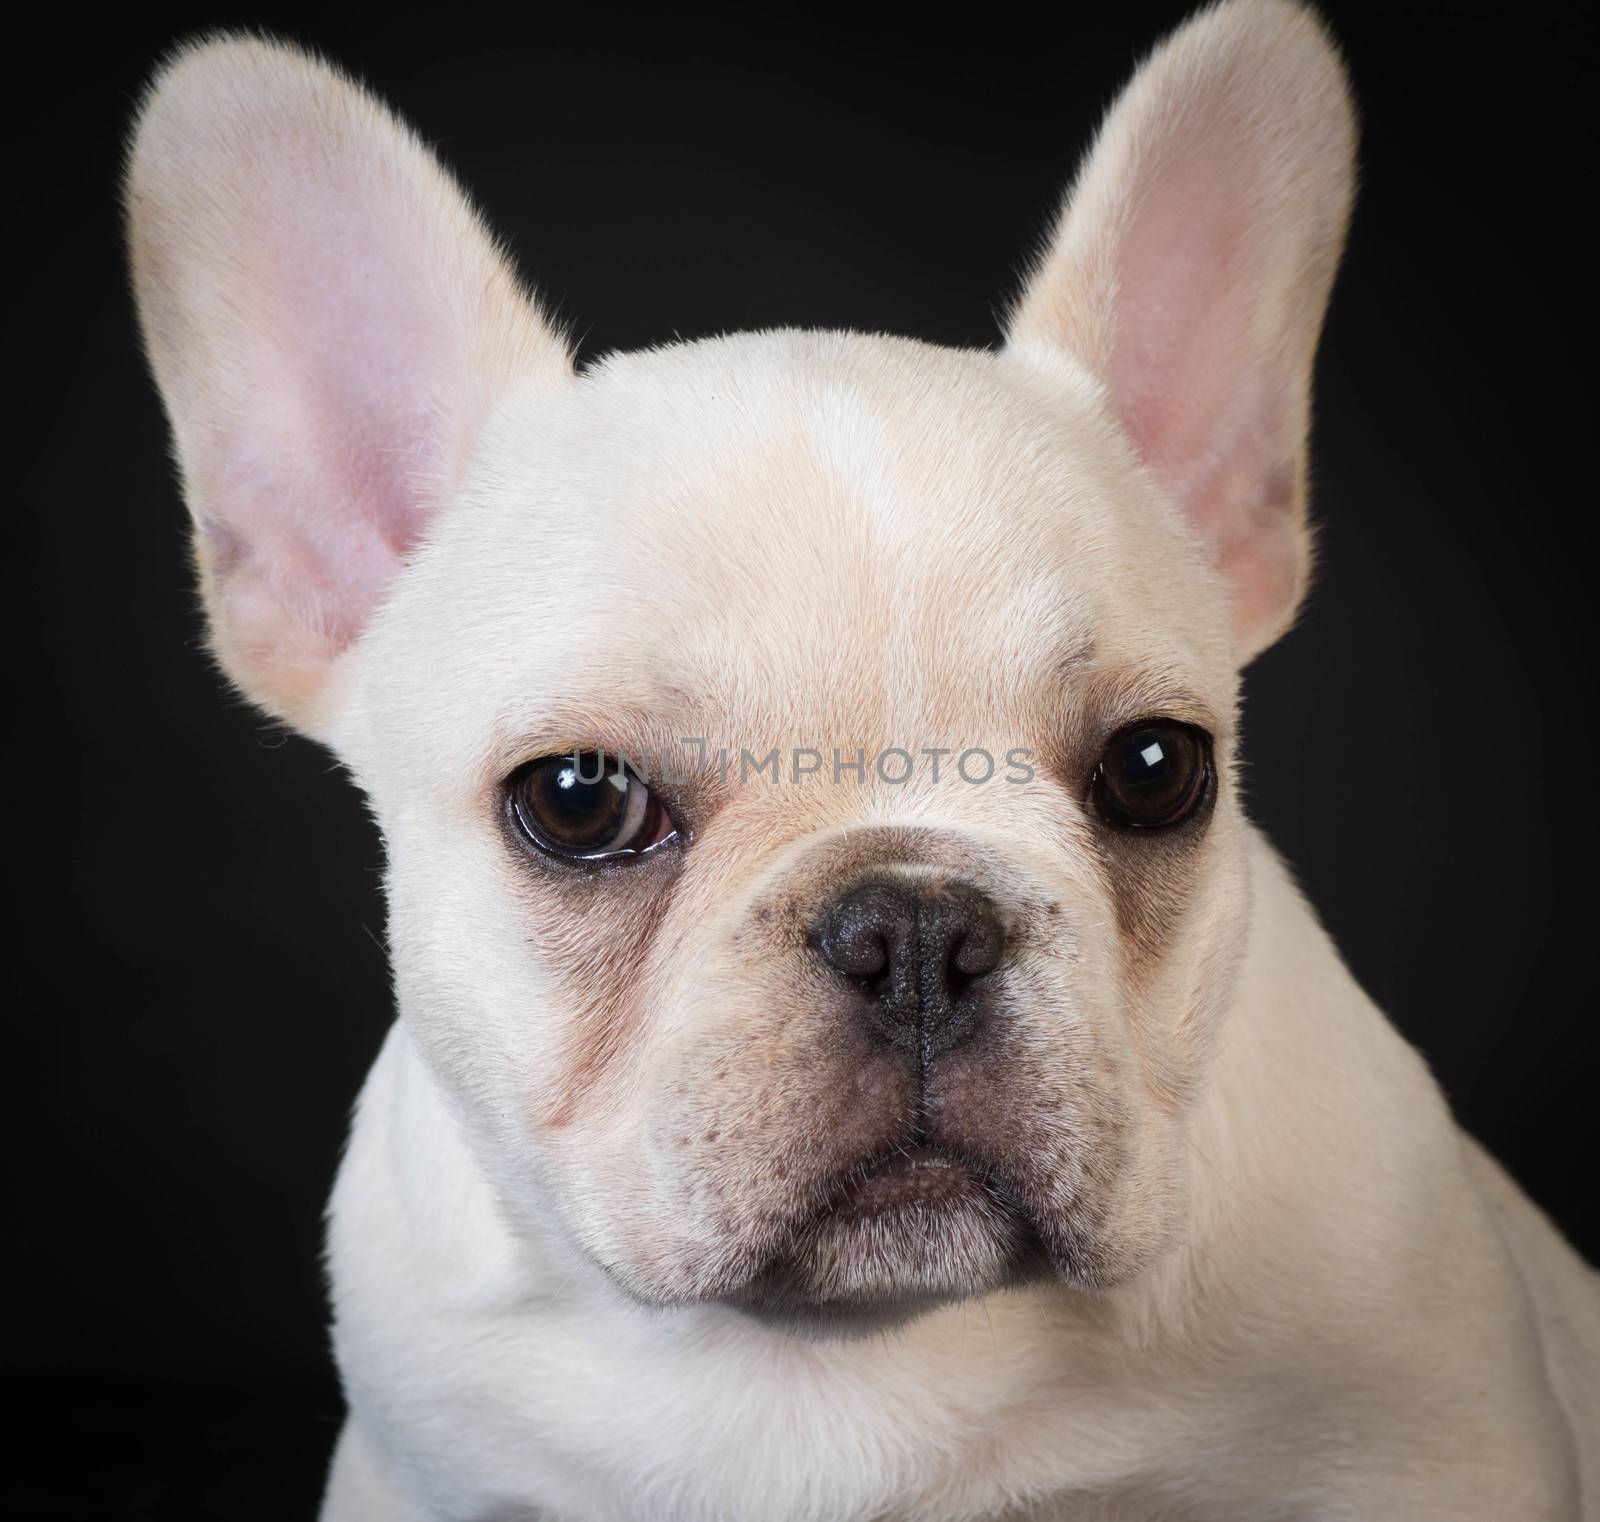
637 733
1117 693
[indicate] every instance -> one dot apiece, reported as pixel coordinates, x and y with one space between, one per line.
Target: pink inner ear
328 321
343 446
1191 272
1198 371
1185 358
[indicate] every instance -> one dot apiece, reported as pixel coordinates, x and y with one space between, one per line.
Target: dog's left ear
1190 272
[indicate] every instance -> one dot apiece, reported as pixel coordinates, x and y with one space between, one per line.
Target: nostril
855 950
978 952
858 939
964 929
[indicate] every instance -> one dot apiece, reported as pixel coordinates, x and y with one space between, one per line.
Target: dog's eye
1152 774
584 808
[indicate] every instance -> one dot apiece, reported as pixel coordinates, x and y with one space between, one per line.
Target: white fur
426 542
1342 1333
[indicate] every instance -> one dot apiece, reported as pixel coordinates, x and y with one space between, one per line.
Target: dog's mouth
913 1227
914 1178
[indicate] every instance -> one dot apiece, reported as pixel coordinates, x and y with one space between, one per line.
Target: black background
198 933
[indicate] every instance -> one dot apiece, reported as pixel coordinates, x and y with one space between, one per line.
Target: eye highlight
580 808
1152 774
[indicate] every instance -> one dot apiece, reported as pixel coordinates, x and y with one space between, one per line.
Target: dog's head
885 968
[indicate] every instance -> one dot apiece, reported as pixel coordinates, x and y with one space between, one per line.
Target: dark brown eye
586 808
1152 774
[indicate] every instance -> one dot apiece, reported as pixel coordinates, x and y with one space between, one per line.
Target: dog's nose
920 953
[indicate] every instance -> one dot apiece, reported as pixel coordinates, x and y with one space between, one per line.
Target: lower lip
918 1179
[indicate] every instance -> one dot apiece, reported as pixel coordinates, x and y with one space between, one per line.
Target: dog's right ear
329 323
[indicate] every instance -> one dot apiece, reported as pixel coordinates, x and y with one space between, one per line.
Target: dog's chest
549 1420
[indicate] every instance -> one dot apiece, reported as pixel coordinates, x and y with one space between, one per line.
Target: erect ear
1190 271
329 323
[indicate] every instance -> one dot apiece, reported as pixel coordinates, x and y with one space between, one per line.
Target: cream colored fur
426 542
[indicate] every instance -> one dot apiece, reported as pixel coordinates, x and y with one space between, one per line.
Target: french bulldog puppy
831 1138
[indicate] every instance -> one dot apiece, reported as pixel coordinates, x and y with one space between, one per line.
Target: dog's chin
895 1239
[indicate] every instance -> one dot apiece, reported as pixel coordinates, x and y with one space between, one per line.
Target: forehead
771 535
